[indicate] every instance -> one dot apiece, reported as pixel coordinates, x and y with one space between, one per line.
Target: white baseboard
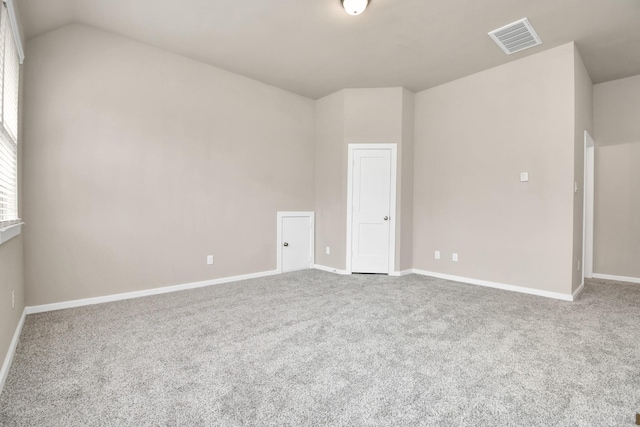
330 269
6 365
521 289
137 294
401 273
616 278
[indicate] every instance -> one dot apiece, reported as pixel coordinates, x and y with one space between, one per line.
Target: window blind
9 87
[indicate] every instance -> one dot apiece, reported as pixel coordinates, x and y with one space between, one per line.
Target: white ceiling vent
515 37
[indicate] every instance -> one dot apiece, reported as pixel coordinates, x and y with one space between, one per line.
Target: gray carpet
312 348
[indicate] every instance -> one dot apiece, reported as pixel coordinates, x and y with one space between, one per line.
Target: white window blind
9 86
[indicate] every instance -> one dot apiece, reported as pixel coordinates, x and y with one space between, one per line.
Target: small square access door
295 241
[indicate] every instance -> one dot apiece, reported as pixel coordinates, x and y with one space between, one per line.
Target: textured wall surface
583 122
139 163
617 180
474 137
11 279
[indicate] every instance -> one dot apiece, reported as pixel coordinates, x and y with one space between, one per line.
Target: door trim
588 206
284 214
393 210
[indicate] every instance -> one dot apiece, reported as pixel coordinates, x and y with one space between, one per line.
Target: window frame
11 55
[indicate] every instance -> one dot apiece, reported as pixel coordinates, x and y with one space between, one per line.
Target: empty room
328 212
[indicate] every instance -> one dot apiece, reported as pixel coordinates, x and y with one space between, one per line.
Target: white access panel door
296 242
371 210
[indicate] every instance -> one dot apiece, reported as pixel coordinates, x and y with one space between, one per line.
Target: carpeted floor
313 348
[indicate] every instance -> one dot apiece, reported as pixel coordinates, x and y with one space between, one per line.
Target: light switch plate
524 176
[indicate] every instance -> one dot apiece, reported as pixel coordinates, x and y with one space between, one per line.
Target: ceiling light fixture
355 7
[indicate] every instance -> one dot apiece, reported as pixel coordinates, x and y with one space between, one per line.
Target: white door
295 241
371 210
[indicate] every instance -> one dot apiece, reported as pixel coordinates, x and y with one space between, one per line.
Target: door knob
286 244
386 218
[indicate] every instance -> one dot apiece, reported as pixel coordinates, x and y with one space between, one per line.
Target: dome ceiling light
355 7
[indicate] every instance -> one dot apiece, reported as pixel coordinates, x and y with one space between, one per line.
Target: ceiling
314 48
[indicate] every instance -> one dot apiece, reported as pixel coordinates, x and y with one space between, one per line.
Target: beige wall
359 116
139 163
373 116
330 181
617 180
129 165
12 262
473 138
404 248
583 121
11 279
615 112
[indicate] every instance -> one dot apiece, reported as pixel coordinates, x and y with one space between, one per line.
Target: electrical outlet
327 250
13 299
210 259
454 257
437 255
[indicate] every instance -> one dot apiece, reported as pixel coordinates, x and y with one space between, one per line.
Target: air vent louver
515 37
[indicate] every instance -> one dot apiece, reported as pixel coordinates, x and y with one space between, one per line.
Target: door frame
280 216
588 206
393 202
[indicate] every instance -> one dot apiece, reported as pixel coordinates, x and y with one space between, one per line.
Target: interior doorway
371 208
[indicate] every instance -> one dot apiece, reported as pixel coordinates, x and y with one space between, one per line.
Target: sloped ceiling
312 47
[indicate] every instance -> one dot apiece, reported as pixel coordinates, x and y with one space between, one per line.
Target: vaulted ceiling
312 47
